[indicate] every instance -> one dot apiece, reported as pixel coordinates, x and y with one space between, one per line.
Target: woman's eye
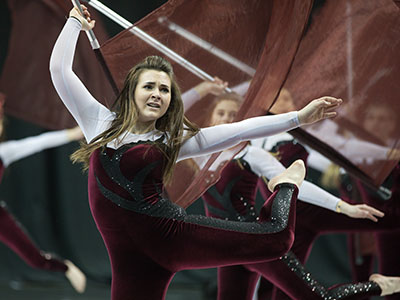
148 87
165 90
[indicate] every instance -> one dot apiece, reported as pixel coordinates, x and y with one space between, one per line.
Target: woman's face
152 95
224 112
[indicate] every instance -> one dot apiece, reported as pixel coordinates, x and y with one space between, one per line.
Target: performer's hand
74 134
360 211
393 154
215 87
85 20
319 109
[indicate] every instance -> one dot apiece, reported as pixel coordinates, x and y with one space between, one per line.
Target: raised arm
91 116
12 151
190 97
216 87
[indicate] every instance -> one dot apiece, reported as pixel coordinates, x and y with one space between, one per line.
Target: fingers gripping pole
90 34
150 40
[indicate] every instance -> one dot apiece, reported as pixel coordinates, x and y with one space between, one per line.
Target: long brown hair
172 123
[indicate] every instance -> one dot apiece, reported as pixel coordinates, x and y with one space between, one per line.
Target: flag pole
96 48
207 46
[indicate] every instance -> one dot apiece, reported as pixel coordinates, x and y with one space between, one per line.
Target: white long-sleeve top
94 118
265 164
11 151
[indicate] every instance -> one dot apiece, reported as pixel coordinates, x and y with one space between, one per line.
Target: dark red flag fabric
351 50
2 100
25 77
264 35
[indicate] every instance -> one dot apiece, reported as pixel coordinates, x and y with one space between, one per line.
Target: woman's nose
156 94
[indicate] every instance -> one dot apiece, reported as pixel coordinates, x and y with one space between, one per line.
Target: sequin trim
229 212
364 289
279 215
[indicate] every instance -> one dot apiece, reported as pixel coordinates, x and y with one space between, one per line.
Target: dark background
48 195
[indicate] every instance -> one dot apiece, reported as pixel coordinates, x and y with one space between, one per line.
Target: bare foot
294 174
75 277
388 285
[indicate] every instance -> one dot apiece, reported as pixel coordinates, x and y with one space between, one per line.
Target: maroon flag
264 35
351 50
2 100
25 78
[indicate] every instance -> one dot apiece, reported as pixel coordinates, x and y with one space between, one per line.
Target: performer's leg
290 276
236 283
361 255
14 236
361 262
210 242
134 274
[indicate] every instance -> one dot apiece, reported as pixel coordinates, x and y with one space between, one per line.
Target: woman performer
131 154
12 233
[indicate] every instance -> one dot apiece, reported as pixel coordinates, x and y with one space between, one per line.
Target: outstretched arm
220 137
91 116
11 151
265 164
217 138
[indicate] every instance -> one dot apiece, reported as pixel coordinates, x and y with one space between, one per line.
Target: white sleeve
189 98
217 138
262 162
91 116
317 161
265 164
11 151
311 193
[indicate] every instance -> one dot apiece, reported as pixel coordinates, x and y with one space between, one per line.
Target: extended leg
13 235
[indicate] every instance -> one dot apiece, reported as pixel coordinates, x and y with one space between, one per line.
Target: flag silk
25 77
351 50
